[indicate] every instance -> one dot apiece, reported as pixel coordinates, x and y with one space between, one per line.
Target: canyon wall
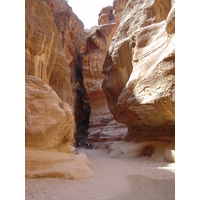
70 31
46 70
139 70
49 121
102 125
50 94
44 56
73 40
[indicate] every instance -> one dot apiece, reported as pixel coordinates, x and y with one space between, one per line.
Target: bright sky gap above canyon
88 10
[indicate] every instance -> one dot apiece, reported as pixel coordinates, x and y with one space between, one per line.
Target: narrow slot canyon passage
82 107
111 85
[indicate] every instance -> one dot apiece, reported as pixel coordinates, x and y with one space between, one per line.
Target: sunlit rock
139 70
102 125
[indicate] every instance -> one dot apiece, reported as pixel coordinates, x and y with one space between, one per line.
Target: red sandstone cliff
102 126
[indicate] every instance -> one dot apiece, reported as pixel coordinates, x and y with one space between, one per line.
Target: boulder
44 164
49 122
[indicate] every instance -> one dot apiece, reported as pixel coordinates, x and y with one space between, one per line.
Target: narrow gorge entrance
82 107
66 103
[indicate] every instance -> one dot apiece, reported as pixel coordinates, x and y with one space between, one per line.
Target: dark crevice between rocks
82 107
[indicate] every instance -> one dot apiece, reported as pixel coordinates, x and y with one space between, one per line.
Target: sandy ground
115 179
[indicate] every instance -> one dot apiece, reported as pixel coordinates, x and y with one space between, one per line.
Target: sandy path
115 179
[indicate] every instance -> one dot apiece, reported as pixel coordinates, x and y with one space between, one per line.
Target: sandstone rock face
44 164
139 70
106 16
118 8
49 116
44 55
102 125
49 106
73 40
70 30
49 121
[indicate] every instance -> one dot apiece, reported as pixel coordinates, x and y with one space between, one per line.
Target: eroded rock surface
44 164
139 71
71 32
50 94
49 121
102 125
44 55
73 39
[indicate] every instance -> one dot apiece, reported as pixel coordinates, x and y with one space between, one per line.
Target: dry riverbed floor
115 179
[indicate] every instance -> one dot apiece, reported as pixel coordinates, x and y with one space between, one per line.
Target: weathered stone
106 16
170 153
156 151
49 121
70 30
118 8
102 125
49 106
72 36
44 164
44 55
171 21
139 71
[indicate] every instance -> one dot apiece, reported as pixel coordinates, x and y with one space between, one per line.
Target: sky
88 10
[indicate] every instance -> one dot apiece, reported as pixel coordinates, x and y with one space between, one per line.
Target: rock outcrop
73 40
47 65
102 125
139 71
70 30
45 164
49 121
50 95
44 56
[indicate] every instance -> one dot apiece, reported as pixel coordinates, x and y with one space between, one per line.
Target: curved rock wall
45 60
50 92
49 121
72 37
139 70
70 30
44 56
102 125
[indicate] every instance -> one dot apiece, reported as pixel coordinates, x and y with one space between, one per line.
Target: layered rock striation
50 93
49 121
73 40
139 70
70 30
44 56
46 71
102 125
